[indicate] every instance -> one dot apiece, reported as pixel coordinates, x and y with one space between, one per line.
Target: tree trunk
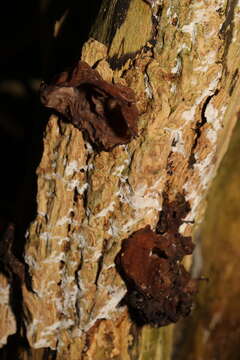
180 60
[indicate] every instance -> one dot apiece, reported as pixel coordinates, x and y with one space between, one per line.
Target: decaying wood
8 324
213 329
105 113
180 60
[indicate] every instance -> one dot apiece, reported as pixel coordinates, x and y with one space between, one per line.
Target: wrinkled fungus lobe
160 290
105 112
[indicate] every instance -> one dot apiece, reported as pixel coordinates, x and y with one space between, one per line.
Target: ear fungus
105 112
160 290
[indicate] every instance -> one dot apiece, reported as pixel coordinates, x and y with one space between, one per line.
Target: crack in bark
169 166
100 261
228 26
198 130
234 81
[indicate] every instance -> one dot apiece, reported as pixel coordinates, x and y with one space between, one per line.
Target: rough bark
213 329
180 60
7 321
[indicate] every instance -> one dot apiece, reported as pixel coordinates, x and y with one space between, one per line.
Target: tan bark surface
213 331
187 87
8 324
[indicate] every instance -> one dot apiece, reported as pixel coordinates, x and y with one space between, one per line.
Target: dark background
29 55
20 73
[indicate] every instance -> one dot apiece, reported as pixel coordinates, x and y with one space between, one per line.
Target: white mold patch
138 218
68 219
47 236
70 294
32 327
138 201
51 330
113 229
214 117
94 257
190 29
208 60
110 306
176 137
82 189
173 88
143 197
206 169
64 220
178 66
72 184
71 168
31 261
189 115
148 87
80 239
108 209
199 16
55 258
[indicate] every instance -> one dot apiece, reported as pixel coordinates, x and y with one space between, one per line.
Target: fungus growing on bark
160 290
105 112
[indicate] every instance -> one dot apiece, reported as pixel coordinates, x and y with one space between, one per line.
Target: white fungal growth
45 336
139 217
113 229
183 47
109 208
169 11
189 115
70 293
55 257
190 29
72 184
141 198
32 327
200 15
31 261
83 188
173 88
177 68
118 171
205 169
207 60
148 87
109 307
71 168
45 236
64 220
176 137
213 117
